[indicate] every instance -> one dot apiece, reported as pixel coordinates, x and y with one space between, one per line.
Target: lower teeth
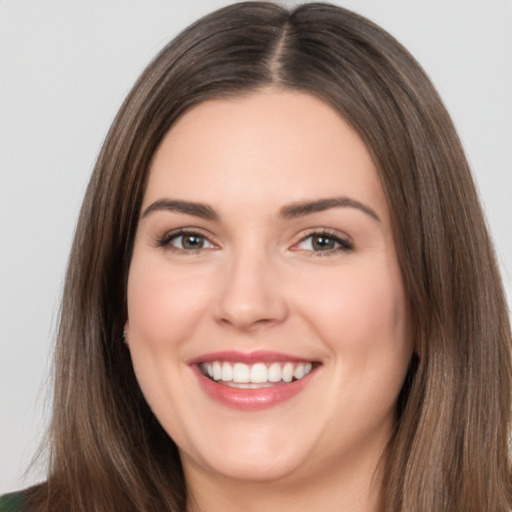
250 385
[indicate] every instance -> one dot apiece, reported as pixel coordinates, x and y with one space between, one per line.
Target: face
267 321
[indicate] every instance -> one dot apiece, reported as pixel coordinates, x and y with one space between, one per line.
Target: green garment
12 502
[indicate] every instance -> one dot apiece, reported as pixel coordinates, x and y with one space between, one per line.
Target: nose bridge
250 295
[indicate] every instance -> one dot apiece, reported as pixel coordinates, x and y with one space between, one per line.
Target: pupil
192 242
322 243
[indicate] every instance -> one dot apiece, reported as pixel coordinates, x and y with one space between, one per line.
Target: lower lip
251 399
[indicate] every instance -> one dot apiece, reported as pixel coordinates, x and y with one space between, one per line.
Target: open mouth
253 381
255 376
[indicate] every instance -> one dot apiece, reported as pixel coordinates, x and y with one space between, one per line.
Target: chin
254 470
260 454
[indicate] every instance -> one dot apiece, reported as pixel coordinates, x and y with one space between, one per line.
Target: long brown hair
449 451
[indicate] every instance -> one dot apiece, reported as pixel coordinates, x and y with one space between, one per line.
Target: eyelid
164 241
344 241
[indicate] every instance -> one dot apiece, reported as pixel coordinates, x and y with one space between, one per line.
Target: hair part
449 450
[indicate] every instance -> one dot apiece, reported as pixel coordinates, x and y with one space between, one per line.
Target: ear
125 331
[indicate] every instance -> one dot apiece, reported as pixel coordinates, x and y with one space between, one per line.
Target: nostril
247 323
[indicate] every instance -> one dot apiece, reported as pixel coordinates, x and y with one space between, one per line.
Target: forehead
283 145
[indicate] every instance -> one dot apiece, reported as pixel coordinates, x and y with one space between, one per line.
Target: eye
185 240
324 242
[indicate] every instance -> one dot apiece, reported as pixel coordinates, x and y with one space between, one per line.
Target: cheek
361 311
362 318
163 305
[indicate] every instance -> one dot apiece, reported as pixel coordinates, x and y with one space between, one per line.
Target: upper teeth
256 373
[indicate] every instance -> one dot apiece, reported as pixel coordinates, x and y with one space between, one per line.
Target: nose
250 296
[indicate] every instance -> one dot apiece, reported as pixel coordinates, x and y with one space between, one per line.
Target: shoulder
13 502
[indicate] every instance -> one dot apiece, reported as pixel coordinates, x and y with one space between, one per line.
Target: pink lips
259 356
250 399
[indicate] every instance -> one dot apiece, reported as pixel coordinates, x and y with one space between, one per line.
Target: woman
281 292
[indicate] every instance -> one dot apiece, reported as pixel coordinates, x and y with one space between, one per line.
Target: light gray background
65 67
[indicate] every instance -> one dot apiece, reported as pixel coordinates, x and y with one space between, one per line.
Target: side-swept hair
449 450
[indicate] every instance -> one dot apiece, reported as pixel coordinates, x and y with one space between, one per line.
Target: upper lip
258 356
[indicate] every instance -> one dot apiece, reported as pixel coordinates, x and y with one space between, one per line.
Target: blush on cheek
164 304
359 308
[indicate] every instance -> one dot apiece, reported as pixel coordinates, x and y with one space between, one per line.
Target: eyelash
344 245
166 241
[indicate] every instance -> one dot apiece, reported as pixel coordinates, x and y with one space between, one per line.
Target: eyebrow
292 211
200 210
302 208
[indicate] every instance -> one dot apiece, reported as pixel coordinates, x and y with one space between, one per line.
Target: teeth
241 372
299 372
227 372
274 372
257 374
288 372
217 370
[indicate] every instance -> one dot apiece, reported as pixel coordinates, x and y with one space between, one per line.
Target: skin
259 283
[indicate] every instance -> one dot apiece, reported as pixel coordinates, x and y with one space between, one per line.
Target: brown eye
185 241
190 241
322 243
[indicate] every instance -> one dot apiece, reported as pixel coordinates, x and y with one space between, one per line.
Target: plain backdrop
65 67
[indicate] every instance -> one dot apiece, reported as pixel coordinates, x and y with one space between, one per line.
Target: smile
255 376
252 381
